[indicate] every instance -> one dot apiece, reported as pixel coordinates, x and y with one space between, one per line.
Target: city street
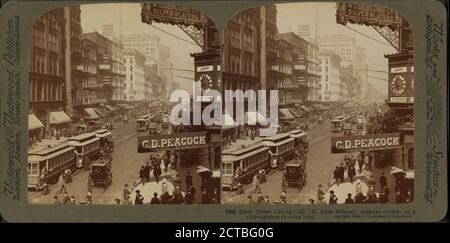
125 169
320 166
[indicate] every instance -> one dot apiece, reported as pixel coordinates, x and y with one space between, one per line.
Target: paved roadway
320 166
125 168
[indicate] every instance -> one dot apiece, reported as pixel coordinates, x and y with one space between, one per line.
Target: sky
290 15
126 17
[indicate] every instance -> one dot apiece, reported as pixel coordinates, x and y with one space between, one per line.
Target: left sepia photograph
100 81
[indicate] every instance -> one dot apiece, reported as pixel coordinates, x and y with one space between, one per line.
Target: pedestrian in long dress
188 180
351 172
283 183
157 172
383 181
147 172
336 175
62 183
320 194
256 184
342 172
142 175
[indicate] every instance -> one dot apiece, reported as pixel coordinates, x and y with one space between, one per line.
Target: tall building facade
241 51
135 83
329 77
118 75
313 73
286 87
88 91
146 44
342 45
361 72
47 74
73 52
268 40
299 62
105 68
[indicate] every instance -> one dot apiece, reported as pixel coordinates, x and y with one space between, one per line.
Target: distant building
361 68
303 31
342 45
89 90
329 77
135 85
313 77
299 62
146 44
106 64
285 85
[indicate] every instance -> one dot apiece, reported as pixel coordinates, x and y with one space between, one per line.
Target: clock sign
206 81
398 85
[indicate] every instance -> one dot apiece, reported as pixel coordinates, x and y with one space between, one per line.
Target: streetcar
87 148
337 124
241 162
106 139
281 148
301 142
54 159
143 122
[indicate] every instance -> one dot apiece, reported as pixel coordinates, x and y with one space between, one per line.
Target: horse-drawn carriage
101 174
296 173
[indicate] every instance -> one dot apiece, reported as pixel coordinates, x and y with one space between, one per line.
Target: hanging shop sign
172 142
357 13
369 142
170 14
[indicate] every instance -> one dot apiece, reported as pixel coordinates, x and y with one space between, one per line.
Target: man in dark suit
139 199
155 199
349 199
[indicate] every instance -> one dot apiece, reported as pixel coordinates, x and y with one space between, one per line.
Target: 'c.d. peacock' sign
365 142
172 142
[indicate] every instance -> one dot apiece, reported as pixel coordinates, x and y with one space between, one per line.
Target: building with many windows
329 77
146 44
241 51
135 83
106 63
47 77
342 45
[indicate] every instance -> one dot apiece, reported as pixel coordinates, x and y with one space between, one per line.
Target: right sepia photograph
341 78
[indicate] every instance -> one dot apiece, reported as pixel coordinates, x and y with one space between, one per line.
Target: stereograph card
223 111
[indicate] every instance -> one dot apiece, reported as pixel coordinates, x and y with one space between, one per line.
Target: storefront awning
285 114
254 118
33 122
91 114
110 108
99 112
304 108
59 117
295 112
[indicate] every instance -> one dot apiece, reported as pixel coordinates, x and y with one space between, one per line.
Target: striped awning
286 114
33 122
91 114
59 117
